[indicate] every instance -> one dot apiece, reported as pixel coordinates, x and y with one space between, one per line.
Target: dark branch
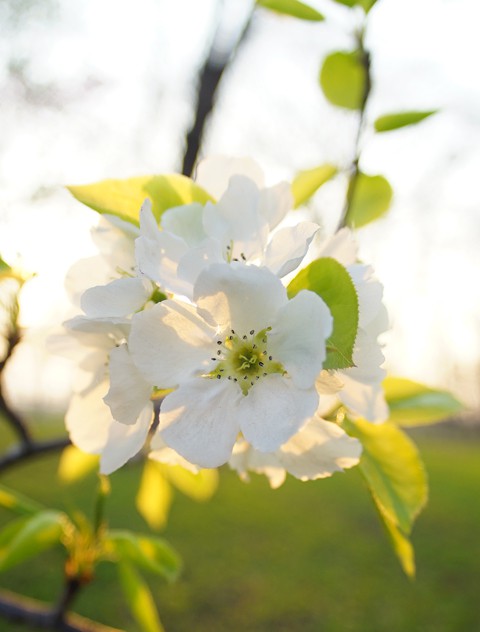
25 451
209 79
23 609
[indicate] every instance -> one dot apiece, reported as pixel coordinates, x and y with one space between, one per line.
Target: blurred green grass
308 557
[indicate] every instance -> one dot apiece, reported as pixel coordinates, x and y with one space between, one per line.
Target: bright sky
104 89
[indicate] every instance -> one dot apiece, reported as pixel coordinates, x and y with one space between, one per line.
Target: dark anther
219 377
243 256
219 352
214 359
244 337
252 331
219 342
270 358
261 364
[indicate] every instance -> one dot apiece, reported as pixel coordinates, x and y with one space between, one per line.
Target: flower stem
354 170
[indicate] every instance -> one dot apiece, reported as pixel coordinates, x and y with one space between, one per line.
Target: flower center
244 359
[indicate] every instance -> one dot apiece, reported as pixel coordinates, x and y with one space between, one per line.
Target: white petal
363 400
200 420
121 297
170 343
158 259
273 410
318 450
197 259
288 247
116 329
115 239
159 451
84 274
297 339
214 173
239 297
341 246
185 222
368 359
129 393
362 390
124 442
275 202
93 430
370 294
88 420
245 458
235 220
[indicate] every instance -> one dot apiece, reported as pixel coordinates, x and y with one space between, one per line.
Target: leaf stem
354 170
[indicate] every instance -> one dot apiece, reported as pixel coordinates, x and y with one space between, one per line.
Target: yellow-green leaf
389 122
365 4
393 469
370 199
200 486
307 182
294 8
17 502
343 79
139 599
35 535
154 496
74 464
124 198
331 281
401 545
149 553
414 404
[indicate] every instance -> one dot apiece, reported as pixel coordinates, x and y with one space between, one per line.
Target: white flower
318 450
243 359
115 240
236 228
98 346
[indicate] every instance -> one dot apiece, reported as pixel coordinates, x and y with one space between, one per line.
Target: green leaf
414 404
343 79
18 502
390 122
370 199
393 470
139 599
124 198
292 7
331 281
154 496
149 553
199 486
365 4
38 533
307 182
401 545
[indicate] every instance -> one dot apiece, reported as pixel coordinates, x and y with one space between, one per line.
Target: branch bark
35 613
209 79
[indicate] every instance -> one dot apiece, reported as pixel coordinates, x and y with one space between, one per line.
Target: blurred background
94 89
91 90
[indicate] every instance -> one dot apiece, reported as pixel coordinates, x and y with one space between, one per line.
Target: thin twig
209 79
25 452
38 614
355 169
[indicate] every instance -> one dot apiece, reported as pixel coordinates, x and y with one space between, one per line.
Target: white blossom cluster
194 312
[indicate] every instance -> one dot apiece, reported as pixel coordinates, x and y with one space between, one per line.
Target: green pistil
244 359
